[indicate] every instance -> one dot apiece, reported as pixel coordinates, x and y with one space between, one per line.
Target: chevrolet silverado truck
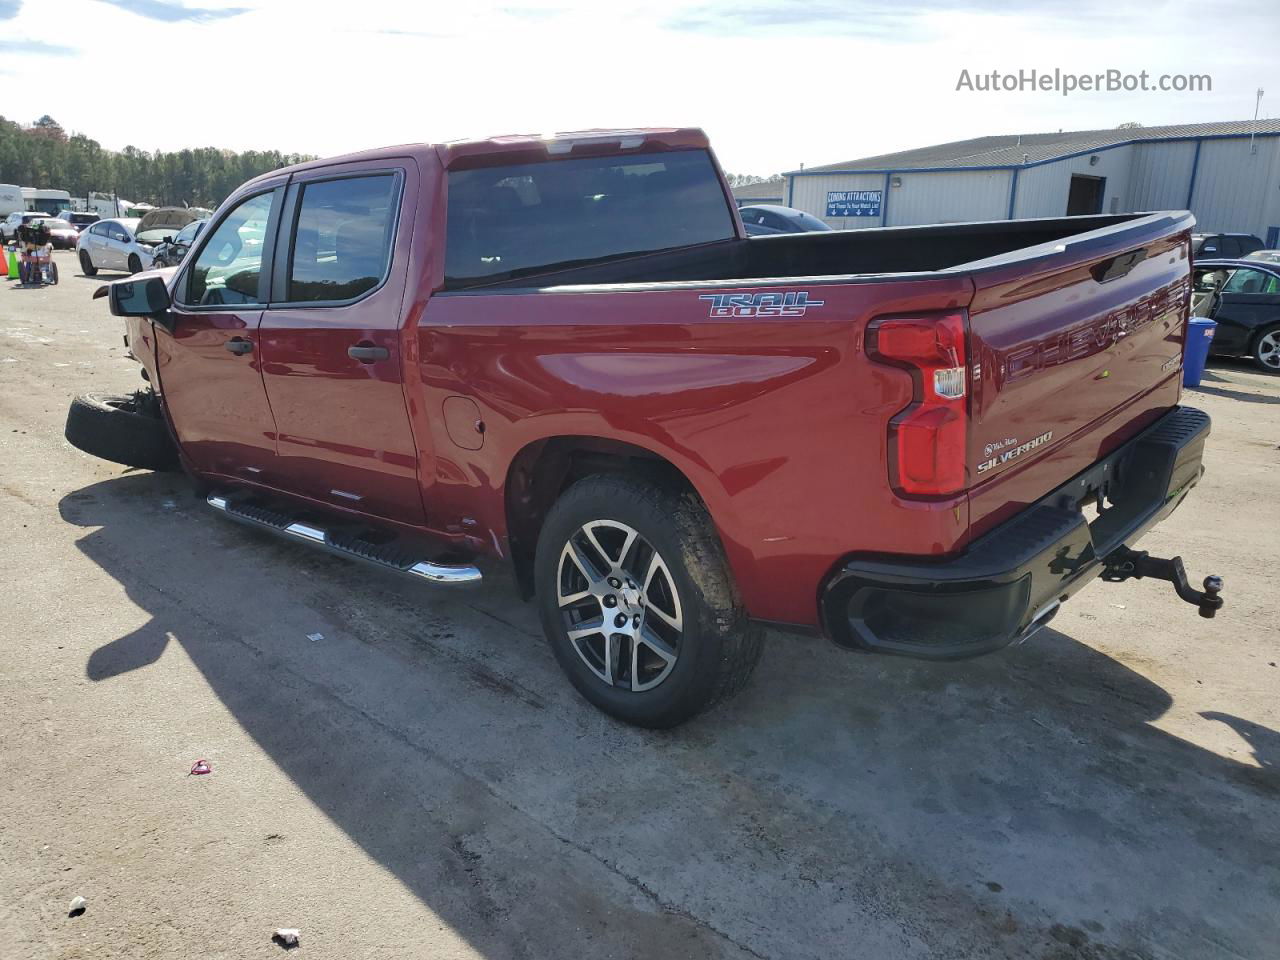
564 354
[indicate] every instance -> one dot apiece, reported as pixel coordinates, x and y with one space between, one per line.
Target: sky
776 83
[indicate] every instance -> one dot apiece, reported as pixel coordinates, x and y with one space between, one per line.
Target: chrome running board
385 556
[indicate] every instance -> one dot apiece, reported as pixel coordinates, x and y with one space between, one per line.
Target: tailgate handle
1117 267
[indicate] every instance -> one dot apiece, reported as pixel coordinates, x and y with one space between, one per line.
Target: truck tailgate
1072 354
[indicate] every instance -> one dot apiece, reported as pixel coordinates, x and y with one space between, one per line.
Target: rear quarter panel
778 422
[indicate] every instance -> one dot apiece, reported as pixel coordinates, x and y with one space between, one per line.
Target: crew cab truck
564 354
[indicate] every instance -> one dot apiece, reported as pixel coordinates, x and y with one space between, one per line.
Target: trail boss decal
1010 453
793 303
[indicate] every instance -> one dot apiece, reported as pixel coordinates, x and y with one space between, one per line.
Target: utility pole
1257 105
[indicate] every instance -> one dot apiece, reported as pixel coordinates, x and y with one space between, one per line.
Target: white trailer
11 199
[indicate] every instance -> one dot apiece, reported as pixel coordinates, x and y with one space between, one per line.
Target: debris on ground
313 637
77 907
286 937
199 767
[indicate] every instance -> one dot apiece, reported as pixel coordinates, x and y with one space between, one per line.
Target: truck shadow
1016 805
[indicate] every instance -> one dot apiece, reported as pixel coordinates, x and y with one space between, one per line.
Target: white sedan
116 245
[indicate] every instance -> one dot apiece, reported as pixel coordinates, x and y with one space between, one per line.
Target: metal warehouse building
1227 174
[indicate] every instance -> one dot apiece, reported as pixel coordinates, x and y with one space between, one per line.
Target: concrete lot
423 782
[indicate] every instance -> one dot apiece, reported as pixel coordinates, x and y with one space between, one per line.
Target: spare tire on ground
123 429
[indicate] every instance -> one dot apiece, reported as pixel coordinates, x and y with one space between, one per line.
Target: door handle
367 353
239 346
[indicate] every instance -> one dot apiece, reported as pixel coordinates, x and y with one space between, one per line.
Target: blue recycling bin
1199 336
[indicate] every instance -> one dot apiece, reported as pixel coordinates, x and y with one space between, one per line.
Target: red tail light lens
927 439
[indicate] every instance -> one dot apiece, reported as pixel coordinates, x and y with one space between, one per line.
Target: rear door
331 339
209 355
1071 353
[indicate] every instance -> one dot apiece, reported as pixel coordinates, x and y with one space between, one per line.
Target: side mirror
139 298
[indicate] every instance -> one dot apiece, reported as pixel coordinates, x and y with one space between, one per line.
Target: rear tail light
927 439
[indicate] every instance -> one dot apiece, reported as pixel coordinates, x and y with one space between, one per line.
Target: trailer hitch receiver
1123 563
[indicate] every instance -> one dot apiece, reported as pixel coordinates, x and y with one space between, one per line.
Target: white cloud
774 83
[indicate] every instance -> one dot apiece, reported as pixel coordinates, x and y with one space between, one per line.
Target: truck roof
521 147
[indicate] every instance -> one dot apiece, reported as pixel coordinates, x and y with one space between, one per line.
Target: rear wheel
86 264
123 429
135 263
1266 349
638 603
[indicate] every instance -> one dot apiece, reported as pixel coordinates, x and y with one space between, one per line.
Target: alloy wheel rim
619 605
1269 350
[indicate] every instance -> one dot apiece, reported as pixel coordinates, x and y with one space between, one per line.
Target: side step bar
384 556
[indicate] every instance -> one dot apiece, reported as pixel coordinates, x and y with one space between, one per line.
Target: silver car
114 245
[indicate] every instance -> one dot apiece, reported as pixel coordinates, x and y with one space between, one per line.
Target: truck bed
844 253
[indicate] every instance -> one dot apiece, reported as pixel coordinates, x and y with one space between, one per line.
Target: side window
1229 247
230 263
98 229
117 232
187 233
1249 281
342 242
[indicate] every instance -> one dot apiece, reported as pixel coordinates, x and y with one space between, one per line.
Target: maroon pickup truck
565 354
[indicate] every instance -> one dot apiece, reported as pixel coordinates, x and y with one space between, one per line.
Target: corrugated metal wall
1042 191
1160 176
1237 189
949 197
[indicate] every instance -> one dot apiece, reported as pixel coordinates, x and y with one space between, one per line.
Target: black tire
53 273
718 647
1265 349
86 264
125 430
135 264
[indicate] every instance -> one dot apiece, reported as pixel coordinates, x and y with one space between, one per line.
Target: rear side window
342 244
523 219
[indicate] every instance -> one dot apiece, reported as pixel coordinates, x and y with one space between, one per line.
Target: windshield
521 219
156 235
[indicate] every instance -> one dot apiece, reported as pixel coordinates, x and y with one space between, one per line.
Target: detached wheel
122 429
135 263
638 603
86 265
1266 349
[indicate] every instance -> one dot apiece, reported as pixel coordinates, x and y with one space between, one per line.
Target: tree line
43 155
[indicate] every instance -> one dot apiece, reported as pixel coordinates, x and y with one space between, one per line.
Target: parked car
61 234
763 219
169 253
1243 298
113 245
79 220
9 226
564 354
1266 256
1209 245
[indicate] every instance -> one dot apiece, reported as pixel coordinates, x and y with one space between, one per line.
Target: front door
209 356
331 344
1249 301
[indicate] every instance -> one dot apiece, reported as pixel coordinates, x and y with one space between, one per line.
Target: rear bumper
1011 581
